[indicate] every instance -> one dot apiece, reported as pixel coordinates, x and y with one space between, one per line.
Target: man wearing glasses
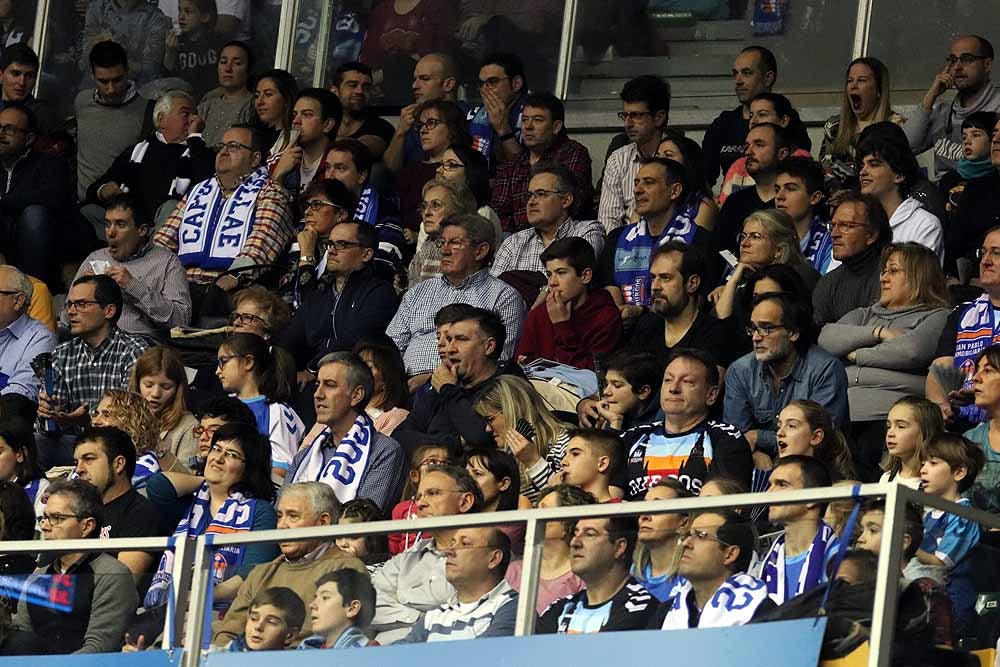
237 219
937 124
22 338
495 125
785 365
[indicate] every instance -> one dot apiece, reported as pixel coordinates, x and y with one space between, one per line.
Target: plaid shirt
522 251
413 330
83 374
510 187
270 235
617 187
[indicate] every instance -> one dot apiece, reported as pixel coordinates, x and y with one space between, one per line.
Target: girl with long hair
806 428
19 460
912 421
129 412
158 376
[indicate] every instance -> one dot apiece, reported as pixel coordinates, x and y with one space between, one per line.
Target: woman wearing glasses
158 376
442 199
464 164
886 347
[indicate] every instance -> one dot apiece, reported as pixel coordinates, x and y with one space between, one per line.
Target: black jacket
36 179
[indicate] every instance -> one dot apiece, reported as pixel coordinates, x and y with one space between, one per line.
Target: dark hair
386 358
335 191
358 375
782 137
491 325
913 523
30 119
693 261
17 513
865 561
982 120
897 155
257 142
329 105
788 279
500 464
549 102
246 50
115 442
106 292
567 181
452 116
737 531
273 378
511 64
624 527
815 474
108 54
605 442
128 201
453 312
698 356
640 369
17 433
19 53
575 251
958 452
365 511
569 496
337 77
86 501
984 46
875 215
796 315
463 481
353 585
798 135
287 87
361 155
18 405
256 481
477 172
806 170
284 600
673 172
652 90
694 161
767 60
498 539
228 409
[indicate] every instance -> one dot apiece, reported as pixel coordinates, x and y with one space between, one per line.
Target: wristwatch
505 137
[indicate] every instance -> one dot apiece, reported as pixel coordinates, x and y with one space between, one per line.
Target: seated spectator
483 604
800 557
159 377
373 550
258 225
495 473
859 231
98 357
298 566
37 195
949 469
388 406
316 116
152 278
25 338
975 218
466 251
234 496
414 581
231 103
887 171
574 325
260 311
591 461
660 198
19 460
348 303
766 146
18 524
350 162
784 365
374 462
540 447
211 416
158 171
687 444
716 552
645 112
275 91
799 186
613 600
40 306
885 346
128 412
275 619
975 164
421 458
140 27
353 82
806 428
985 493
675 146
866 101
105 456
771 278
341 611
659 548
912 421
101 610
551 204
495 124
18 73
631 394
545 140
467 166
192 53
442 200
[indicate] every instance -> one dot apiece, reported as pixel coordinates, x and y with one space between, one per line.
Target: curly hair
131 413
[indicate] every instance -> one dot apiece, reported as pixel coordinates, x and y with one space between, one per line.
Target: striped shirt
83 374
492 615
536 478
522 250
413 330
617 195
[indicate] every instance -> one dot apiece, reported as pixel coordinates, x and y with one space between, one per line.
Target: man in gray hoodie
937 123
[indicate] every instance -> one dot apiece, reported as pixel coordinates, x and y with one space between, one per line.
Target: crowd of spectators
286 312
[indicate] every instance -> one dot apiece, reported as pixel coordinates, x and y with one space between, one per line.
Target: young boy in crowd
275 618
977 132
591 459
343 607
950 466
631 393
799 188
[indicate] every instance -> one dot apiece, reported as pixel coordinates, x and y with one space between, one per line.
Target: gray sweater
930 129
103 131
884 371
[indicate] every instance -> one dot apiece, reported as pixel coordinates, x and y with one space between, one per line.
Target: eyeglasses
966 59
430 124
633 115
994 254
199 431
541 194
316 204
228 454
246 319
225 358
80 304
231 146
432 461
701 536
753 237
454 244
451 165
432 493
343 245
11 129
493 81
56 519
844 226
491 418
764 330
432 205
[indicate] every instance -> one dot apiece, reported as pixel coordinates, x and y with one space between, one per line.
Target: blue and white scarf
368 205
977 330
213 229
483 134
235 516
346 467
636 245
813 570
146 466
733 603
817 246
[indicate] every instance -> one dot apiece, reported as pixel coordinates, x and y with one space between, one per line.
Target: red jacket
595 328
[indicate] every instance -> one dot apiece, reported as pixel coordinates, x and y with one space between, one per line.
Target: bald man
21 337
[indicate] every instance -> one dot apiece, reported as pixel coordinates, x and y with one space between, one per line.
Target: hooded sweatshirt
912 222
941 127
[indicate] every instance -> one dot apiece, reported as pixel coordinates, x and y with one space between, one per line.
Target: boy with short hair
571 324
799 192
275 618
950 466
977 133
343 607
592 457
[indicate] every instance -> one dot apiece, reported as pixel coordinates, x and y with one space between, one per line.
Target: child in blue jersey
249 368
949 468
658 550
343 608
274 620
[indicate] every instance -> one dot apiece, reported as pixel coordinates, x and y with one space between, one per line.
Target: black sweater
853 284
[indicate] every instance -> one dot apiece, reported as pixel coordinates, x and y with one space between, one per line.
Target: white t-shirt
912 482
238 8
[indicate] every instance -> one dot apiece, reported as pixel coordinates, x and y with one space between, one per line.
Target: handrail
566 39
862 28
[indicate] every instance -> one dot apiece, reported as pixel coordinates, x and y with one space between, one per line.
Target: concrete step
681 64
729 31
679 86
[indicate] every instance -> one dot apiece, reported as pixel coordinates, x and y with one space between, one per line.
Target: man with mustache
352 83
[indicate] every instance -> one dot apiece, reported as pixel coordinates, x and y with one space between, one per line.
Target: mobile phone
525 428
730 258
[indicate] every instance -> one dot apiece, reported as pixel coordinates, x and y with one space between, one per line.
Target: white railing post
566 48
39 36
194 627
287 22
887 581
531 565
862 28
323 45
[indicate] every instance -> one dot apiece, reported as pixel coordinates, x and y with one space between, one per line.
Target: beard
669 310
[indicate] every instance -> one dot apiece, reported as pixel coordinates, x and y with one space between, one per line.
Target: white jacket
912 222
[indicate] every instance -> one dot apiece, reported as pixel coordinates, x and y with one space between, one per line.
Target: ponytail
273 367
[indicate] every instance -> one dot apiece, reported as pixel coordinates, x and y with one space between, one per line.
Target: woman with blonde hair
658 547
521 423
887 347
912 421
158 376
440 199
